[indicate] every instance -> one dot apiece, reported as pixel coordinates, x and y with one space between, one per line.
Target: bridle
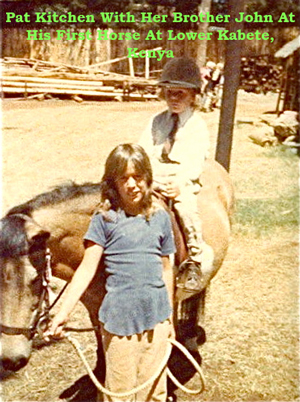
41 314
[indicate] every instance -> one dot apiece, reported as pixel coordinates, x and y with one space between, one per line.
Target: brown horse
57 220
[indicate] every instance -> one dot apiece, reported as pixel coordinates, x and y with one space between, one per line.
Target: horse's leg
191 321
187 318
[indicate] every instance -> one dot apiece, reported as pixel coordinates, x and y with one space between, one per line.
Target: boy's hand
171 190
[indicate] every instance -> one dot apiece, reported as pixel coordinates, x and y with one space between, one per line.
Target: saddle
180 243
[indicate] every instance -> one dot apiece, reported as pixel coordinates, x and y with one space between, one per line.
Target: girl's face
179 99
132 188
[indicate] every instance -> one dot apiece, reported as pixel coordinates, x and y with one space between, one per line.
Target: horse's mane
59 194
13 241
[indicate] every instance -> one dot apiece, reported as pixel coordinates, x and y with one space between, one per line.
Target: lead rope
161 367
99 386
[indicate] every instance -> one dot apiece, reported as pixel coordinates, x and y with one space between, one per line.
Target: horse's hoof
201 335
192 343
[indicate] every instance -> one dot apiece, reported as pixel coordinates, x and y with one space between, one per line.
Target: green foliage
275 8
263 7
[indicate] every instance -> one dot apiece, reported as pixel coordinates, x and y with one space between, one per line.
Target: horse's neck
70 216
67 223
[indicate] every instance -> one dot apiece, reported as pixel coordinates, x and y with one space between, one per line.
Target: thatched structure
289 88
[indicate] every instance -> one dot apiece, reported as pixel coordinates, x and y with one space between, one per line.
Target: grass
281 151
261 217
268 199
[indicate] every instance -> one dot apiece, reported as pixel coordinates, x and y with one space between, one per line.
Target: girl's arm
168 278
79 283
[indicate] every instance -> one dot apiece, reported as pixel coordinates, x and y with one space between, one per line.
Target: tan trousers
186 206
187 209
132 360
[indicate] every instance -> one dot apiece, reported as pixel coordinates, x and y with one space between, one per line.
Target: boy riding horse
177 141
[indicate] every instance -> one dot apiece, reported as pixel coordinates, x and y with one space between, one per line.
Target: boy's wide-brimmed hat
181 72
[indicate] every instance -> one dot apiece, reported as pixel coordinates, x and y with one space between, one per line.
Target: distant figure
213 90
206 75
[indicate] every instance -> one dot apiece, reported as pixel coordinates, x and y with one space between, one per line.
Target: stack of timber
259 75
36 78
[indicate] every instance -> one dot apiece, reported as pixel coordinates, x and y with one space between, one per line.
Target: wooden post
131 68
232 69
147 67
203 27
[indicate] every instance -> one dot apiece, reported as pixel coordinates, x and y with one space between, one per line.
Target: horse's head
22 269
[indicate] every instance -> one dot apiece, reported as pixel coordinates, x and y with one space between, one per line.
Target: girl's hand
172 334
79 283
55 328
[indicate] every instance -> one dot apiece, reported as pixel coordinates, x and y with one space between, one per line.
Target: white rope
76 345
194 362
161 367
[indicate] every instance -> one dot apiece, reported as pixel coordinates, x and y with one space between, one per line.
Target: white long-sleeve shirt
190 149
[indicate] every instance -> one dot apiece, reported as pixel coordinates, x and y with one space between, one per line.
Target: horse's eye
36 284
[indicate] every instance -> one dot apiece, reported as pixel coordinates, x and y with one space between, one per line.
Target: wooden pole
147 67
232 69
131 67
203 27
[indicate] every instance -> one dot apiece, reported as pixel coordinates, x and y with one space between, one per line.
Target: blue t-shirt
136 298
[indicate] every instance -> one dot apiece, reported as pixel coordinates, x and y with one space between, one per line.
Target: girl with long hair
134 237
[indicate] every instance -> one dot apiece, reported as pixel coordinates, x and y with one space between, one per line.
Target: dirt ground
252 324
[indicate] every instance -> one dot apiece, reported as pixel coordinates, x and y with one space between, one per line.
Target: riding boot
201 270
195 273
194 277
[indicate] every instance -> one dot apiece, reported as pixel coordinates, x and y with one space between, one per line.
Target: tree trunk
232 69
203 27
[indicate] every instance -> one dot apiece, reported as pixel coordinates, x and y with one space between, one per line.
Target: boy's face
178 99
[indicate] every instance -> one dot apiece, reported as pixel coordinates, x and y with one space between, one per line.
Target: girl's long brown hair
116 166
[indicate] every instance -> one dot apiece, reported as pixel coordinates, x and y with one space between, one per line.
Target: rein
163 364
